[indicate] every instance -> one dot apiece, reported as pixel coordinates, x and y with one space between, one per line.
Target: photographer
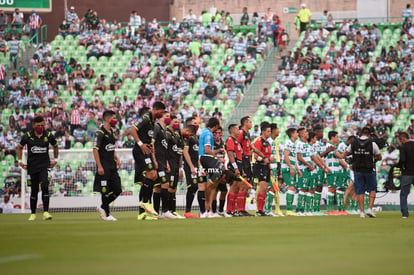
365 153
406 164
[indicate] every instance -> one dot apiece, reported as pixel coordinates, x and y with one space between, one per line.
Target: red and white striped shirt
3 72
75 117
34 21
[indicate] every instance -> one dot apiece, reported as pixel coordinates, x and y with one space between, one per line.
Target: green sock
330 198
317 202
268 202
277 201
301 202
290 195
340 200
308 202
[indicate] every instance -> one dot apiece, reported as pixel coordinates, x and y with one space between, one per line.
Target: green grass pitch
80 243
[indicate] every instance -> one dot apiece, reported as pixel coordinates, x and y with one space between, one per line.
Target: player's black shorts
247 168
239 166
222 187
109 182
192 179
162 175
142 163
212 167
37 178
173 176
261 172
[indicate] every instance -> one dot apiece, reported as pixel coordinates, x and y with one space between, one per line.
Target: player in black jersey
191 168
107 180
221 186
159 155
38 162
175 157
145 171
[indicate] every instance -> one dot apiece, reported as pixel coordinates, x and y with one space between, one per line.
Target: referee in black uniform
107 180
145 172
38 162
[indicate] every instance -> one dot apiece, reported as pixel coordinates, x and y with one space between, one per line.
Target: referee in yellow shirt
304 17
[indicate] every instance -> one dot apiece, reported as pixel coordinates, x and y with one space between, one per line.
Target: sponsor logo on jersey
164 143
110 147
38 150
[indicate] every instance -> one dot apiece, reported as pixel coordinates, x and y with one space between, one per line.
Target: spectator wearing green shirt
244 21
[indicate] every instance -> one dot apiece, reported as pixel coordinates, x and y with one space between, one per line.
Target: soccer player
290 169
145 172
261 168
273 194
235 164
210 164
107 180
175 158
314 176
303 151
193 175
159 155
38 162
334 164
244 139
322 151
343 179
222 187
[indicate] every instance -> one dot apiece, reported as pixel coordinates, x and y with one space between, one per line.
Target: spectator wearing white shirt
18 18
300 92
134 19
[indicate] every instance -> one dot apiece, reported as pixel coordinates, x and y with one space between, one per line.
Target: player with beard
107 180
175 158
193 175
145 172
159 155
38 163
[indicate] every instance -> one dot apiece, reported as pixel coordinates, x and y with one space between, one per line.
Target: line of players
162 148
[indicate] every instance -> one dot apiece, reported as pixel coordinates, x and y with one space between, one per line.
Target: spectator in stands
131 71
304 17
18 18
64 28
244 21
255 132
71 15
115 82
407 13
35 22
4 19
134 19
300 92
100 84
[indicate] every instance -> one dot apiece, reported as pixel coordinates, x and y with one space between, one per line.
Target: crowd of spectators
170 61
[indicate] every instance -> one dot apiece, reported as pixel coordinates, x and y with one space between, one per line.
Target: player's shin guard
317 202
221 205
157 201
164 200
301 202
269 201
201 197
231 202
145 192
330 199
277 201
190 197
214 206
290 195
261 197
340 199
33 203
240 201
309 202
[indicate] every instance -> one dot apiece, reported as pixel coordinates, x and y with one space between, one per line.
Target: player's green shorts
312 180
303 182
343 180
289 181
332 179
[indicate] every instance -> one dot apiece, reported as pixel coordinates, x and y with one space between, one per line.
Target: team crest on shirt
150 166
151 133
195 147
164 143
45 139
